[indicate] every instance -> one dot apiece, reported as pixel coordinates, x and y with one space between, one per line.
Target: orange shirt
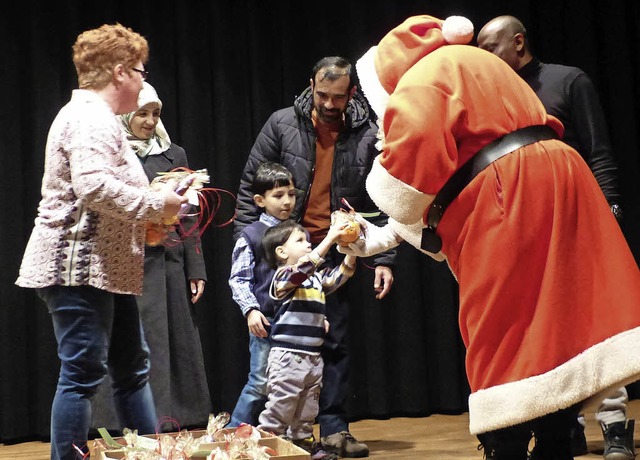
317 216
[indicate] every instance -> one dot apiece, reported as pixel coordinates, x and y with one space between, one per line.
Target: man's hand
383 281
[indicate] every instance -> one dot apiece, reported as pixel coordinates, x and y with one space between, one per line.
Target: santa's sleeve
412 234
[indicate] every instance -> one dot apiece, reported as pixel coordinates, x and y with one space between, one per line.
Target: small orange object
352 230
170 220
155 234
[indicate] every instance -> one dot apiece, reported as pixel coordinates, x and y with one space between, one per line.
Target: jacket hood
357 113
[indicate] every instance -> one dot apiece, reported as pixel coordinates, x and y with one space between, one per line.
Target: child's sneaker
345 445
314 448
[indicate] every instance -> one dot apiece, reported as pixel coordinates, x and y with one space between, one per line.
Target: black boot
578 440
505 444
618 440
553 434
552 449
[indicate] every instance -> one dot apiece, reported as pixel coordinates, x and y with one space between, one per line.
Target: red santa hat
380 68
379 71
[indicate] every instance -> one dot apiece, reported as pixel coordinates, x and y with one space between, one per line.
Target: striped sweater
299 320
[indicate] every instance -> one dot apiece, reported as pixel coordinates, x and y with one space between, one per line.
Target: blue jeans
96 331
332 417
254 394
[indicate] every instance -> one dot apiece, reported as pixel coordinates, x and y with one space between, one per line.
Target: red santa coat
549 290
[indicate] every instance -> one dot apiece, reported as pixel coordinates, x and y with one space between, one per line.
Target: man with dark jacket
327 140
568 94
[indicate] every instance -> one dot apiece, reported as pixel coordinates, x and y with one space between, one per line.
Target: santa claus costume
549 290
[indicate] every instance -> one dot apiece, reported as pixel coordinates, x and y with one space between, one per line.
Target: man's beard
329 116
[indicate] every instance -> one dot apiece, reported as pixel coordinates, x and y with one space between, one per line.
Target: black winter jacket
289 138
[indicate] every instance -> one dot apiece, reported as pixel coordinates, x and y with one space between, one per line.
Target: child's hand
256 323
337 231
349 224
333 233
326 326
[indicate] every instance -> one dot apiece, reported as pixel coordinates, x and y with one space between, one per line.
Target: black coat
568 94
289 138
177 376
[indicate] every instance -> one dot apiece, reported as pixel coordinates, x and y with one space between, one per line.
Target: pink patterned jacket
95 199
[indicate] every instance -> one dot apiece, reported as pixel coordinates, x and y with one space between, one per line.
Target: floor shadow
388 445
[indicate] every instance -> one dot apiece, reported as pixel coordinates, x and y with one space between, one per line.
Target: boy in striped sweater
297 331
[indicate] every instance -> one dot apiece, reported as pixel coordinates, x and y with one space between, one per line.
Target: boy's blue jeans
254 394
96 331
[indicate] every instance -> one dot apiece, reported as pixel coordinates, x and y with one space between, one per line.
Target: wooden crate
286 450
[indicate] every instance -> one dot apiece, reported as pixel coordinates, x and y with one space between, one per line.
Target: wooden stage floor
436 437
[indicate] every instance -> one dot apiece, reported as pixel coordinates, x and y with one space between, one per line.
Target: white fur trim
370 84
457 30
395 198
610 364
412 234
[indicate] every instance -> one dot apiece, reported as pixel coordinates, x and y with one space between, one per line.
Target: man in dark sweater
568 94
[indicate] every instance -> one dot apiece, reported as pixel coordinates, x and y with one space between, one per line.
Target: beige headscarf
159 141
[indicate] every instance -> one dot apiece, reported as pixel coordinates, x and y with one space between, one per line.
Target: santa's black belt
508 143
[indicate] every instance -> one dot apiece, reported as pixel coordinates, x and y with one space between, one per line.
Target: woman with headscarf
174 280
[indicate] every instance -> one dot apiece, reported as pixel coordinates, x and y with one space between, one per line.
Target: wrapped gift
214 443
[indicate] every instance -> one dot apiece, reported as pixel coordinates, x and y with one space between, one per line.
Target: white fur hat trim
370 83
457 30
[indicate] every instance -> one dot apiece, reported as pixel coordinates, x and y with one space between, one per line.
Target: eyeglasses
143 73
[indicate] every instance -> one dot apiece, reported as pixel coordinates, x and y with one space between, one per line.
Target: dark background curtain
220 69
